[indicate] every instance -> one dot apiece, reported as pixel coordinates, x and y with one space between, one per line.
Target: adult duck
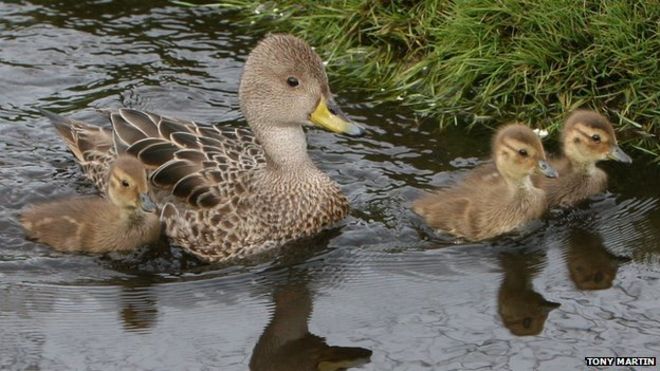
231 192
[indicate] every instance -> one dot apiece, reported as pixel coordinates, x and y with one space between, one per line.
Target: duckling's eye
292 81
522 152
595 138
124 183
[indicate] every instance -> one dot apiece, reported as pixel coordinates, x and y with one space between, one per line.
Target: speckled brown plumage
579 178
228 193
91 224
495 198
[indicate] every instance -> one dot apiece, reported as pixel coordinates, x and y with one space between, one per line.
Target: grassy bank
488 61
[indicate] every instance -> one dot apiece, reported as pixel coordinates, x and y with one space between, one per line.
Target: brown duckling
588 137
493 199
90 224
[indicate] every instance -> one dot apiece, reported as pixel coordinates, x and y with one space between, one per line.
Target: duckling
124 221
588 137
493 199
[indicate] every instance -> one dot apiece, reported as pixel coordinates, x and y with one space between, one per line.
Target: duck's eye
292 81
595 138
124 183
522 152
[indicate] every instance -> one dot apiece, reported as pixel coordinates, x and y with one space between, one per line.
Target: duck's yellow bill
329 117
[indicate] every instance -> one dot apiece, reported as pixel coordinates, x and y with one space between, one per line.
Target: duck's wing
92 145
202 165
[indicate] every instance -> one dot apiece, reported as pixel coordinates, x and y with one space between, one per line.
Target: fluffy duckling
493 199
588 137
91 224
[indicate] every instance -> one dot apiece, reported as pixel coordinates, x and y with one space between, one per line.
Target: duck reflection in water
522 310
287 344
590 265
139 307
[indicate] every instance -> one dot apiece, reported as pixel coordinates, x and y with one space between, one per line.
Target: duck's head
127 185
588 137
284 84
518 153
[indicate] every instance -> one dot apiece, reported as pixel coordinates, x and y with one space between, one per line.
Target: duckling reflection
590 265
287 344
139 307
522 310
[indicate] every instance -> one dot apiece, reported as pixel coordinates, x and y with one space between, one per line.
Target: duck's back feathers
191 161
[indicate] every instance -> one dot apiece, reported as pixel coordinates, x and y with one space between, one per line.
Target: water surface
380 291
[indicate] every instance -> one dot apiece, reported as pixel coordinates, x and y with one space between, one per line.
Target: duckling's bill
617 154
547 170
328 116
146 203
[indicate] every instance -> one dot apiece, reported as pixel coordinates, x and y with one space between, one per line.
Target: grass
482 62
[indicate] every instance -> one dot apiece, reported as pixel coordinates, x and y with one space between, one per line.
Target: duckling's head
588 137
284 84
518 153
127 185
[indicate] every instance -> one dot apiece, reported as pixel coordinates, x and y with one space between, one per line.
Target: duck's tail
91 145
83 139
61 123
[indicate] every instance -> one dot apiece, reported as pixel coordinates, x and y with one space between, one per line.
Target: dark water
583 282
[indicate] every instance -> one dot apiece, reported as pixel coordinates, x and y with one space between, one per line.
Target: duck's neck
578 162
515 181
285 147
523 184
583 167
